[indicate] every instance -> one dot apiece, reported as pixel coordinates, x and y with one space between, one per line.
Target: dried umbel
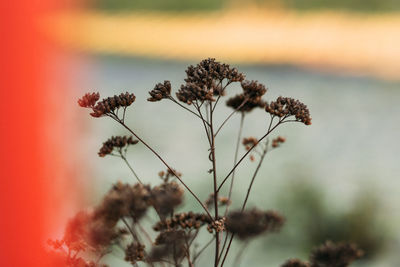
251 223
160 91
134 253
222 201
185 220
89 100
169 244
124 200
335 255
249 142
277 141
166 197
250 98
295 263
85 230
116 142
286 107
204 81
108 105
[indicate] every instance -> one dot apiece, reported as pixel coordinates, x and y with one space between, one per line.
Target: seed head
277 141
134 252
117 142
335 255
166 197
253 222
160 91
285 106
106 106
89 100
295 263
204 80
185 220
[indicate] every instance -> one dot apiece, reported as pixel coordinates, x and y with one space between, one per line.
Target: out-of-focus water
351 144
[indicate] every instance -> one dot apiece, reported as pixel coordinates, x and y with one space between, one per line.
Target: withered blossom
108 105
295 263
166 197
335 255
169 244
250 223
134 252
217 226
116 142
277 141
85 230
185 220
222 201
89 100
286 107
204 81
160 91
166 175
124 200
250 98
249 142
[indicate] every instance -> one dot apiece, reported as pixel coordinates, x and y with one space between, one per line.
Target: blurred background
337 179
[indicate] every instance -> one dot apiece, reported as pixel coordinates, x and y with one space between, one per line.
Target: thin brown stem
254 176
203 249
230 115
214 163
245 155
130 167
166 164
179 104
234 162
240 254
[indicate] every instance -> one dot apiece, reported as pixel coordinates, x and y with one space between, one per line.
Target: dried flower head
217 226
166 175
253 222
134 252
249 142
170 243
166 197
116 142
84 230
253 90
108 105
295 263
185 220
250 98
89 100
222 201
286 107
334 255
124 200
277 141
160 91
204 80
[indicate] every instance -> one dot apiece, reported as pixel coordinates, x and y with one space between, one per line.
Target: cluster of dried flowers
329 255
122 219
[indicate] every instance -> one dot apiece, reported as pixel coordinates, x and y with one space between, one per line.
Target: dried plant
117 221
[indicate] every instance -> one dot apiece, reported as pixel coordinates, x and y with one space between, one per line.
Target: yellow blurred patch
365 44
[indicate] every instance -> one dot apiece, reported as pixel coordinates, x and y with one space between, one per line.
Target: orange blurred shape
25 171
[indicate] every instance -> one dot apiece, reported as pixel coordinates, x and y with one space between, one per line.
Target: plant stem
248 151
166 164
235 161
230 115
215 183
254 176
130 167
